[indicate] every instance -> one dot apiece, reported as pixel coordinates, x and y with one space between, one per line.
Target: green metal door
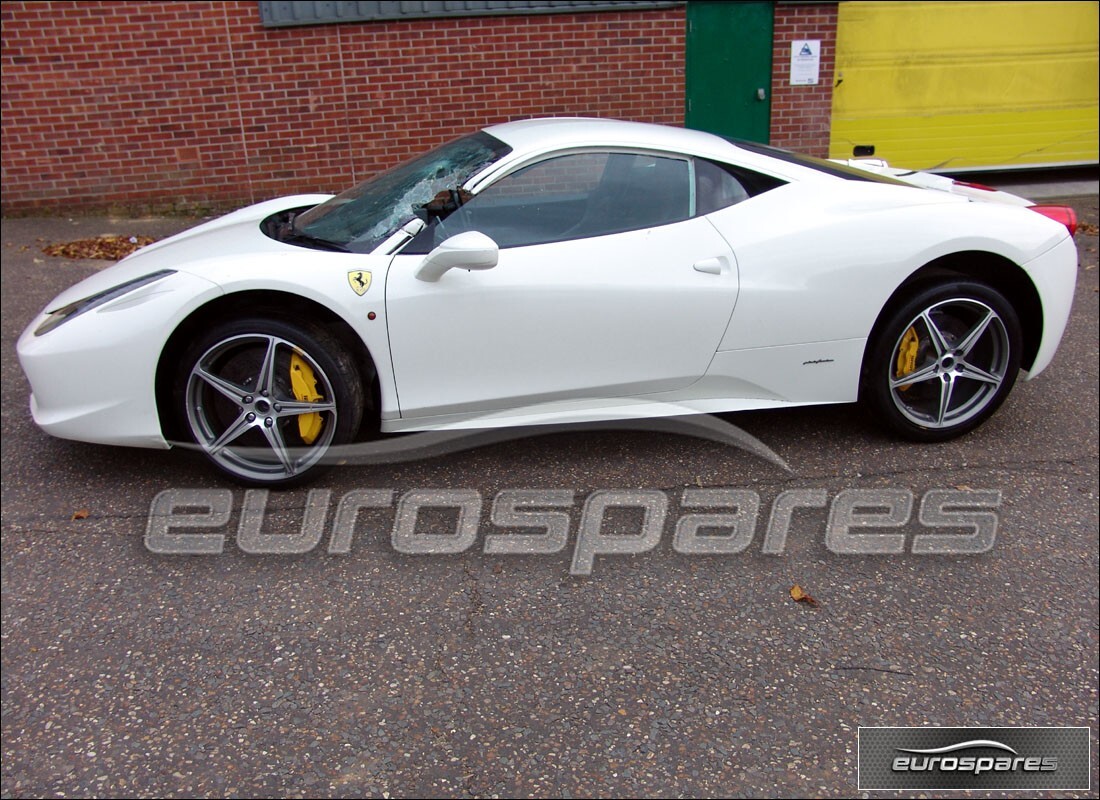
729 68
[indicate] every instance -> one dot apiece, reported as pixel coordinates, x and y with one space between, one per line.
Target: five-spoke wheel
265 399
944 361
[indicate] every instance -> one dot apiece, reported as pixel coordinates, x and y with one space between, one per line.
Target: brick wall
185 104
802 115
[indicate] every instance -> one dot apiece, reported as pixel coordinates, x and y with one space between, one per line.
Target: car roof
533 135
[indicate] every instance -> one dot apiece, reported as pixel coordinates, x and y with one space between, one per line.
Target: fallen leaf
81 514
799 595
106 248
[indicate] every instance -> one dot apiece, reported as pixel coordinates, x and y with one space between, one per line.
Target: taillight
1063 214
970 185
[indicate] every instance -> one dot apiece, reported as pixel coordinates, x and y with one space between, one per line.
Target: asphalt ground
476 674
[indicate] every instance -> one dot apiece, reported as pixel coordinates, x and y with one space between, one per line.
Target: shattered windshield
362 217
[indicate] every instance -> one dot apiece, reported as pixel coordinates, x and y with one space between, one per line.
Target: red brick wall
185 104
802 115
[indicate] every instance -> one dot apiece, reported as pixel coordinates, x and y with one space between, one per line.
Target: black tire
268 427
943 361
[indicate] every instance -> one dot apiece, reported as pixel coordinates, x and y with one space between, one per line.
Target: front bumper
93 378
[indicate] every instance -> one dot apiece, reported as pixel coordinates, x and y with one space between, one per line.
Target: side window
572 197
556 180
638 191
720 185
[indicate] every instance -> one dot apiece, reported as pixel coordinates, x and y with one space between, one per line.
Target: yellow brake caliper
907 355
304 384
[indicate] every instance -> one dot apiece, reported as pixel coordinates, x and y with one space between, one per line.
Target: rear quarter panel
817 262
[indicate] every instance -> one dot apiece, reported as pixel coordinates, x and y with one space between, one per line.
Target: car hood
234 234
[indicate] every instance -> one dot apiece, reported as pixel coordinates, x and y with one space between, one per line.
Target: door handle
712 266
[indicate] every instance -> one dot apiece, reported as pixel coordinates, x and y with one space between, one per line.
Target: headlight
65 313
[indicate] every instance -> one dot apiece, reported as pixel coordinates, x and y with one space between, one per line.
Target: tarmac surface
377 673
1041 184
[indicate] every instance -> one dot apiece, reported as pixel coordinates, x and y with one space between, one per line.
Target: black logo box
1044 758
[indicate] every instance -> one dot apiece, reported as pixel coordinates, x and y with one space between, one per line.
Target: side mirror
469 250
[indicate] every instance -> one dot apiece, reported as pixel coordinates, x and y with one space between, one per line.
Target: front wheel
266 399
944 361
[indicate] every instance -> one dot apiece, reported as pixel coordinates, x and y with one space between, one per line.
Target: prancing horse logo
359 280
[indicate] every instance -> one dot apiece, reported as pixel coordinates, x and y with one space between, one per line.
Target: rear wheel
266 399
944 361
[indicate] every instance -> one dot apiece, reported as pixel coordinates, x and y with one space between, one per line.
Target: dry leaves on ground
799 595
107 248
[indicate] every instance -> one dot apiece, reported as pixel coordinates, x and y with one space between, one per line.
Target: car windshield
361 218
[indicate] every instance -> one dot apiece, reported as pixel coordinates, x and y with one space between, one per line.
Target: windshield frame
364 217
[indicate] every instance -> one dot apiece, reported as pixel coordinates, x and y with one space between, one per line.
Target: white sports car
559 270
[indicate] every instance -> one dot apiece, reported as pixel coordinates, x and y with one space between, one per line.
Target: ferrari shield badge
359 279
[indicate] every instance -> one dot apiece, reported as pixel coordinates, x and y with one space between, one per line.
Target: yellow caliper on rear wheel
907 355
304 384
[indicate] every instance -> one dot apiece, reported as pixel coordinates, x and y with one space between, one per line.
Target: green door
729 68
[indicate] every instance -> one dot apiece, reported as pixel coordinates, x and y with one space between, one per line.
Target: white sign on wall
805 62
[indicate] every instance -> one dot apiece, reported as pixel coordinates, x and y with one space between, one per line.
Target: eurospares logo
950 759
974 758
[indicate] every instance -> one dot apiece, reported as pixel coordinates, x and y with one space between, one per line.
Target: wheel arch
279 305
995 271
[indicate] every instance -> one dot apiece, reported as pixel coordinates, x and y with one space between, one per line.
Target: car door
607 285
